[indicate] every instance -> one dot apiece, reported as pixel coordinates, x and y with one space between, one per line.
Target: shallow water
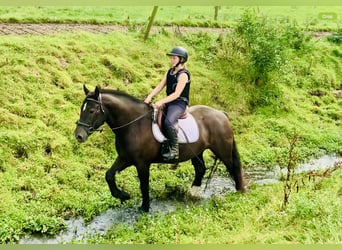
262 176
80 231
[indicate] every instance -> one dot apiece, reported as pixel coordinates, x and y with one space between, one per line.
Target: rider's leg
174 111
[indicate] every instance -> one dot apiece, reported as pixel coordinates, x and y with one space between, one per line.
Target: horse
130 119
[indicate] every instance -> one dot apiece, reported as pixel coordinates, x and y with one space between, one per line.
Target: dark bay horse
130 119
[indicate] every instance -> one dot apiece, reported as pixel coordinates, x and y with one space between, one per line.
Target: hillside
52 177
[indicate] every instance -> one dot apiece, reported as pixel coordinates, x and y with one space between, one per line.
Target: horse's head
92 115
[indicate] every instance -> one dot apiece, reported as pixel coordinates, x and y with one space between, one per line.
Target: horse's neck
121 110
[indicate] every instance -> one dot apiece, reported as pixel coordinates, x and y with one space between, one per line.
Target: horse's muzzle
80 134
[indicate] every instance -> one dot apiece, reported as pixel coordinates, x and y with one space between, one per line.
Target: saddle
188 129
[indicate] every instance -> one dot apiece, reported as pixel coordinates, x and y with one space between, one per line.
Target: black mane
120 94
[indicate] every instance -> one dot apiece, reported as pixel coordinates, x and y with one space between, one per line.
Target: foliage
336 37
255 53
263 44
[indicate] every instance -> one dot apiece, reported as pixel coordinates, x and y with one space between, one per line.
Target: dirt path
53 28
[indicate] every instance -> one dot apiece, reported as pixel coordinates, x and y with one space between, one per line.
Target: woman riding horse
177 83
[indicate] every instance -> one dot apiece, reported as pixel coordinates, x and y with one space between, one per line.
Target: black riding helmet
180 52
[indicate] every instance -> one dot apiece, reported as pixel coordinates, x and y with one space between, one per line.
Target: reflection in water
79 231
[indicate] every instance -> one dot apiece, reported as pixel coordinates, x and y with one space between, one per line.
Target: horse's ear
86 91
97 91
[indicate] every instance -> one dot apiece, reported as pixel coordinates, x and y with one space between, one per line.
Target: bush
262 43
266 42
336 37
255 52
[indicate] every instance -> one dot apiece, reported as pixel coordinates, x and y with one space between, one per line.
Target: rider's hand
158 105
148 100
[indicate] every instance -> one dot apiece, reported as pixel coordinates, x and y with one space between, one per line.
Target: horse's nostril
79 138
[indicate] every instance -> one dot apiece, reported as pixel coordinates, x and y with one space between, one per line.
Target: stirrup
170 159
171 154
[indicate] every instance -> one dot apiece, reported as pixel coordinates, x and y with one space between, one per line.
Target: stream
77 230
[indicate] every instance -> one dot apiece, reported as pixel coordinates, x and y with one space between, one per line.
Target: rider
177 83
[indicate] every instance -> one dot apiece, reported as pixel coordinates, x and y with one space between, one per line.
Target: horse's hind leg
199 166
144 175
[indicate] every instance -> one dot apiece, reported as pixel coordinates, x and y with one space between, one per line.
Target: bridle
90 129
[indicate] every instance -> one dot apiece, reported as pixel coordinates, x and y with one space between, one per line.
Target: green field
312 17
272 77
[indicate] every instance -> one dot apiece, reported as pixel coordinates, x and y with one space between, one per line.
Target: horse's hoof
144 209
195 191
124 196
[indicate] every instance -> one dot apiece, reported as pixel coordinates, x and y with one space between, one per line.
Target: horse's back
203 111
213 122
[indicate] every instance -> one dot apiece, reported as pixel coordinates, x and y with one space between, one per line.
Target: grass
311 17
52 177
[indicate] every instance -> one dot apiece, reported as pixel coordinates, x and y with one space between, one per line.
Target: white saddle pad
187 132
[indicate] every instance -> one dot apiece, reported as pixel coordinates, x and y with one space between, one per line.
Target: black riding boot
173 153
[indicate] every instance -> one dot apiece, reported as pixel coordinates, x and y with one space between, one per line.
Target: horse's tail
236 156
236 169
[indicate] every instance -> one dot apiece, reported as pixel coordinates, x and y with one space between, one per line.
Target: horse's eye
92 111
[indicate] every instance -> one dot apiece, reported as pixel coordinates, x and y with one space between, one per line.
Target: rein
133 121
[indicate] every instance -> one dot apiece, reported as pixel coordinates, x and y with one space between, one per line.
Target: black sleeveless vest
171 83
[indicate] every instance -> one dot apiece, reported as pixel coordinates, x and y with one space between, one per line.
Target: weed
294 182
318 178
289 184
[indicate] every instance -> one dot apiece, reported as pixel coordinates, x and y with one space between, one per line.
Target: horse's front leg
118 166
144 176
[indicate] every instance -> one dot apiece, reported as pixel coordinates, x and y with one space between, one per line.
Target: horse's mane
120 94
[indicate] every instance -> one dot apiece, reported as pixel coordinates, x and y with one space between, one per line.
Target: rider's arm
156 90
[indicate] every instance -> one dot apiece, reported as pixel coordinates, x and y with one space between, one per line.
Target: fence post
216 12
154 12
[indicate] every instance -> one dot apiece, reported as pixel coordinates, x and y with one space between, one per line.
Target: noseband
89 128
